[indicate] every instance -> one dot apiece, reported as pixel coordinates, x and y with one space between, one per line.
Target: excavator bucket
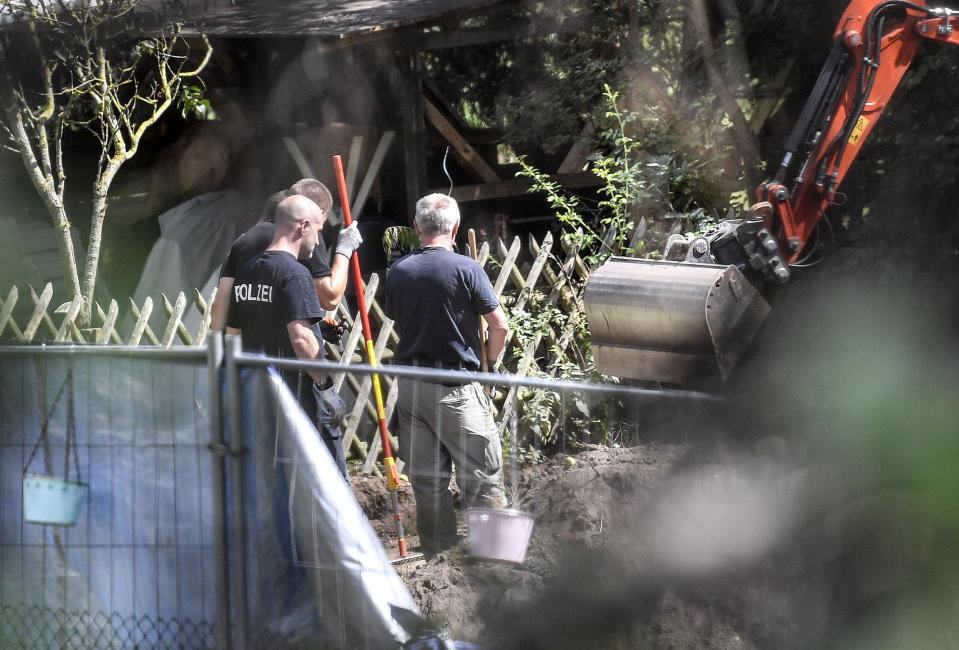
673 322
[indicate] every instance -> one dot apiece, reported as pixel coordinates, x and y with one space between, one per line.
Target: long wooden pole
392 475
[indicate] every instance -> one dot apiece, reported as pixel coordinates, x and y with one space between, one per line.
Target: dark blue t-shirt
436 296
269 292
256 240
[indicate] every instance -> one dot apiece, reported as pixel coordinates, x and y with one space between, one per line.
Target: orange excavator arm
874 45
690 316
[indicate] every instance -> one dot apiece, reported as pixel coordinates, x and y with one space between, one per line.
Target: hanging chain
71 430
71 433
46 424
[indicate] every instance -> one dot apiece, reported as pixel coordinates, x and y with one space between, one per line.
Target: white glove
349 240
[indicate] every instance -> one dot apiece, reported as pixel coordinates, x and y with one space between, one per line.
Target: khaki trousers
440 427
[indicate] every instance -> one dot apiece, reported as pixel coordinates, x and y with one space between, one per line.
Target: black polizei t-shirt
435 296
271 291
256 240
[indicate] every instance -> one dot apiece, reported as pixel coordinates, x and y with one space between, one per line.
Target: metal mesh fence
136 569
29 627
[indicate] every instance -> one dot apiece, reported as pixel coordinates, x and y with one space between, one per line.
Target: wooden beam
414 130
577 155
359 199
505 189
462 149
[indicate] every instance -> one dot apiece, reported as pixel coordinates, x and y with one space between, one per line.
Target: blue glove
335 405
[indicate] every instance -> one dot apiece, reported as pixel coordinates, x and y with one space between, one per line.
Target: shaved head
293 210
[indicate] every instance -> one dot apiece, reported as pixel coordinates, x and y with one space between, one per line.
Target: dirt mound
580 557
708 544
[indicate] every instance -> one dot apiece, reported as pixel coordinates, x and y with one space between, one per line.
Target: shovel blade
673 322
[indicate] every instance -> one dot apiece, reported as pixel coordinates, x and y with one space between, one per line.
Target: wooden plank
298 158
71 314
41 303
353 164
379 155
142 326
175 324
514 274
517 187
380 317
462 149
109 321
6 313
369 467
572 257
206 308
526 290
509 263
414 130
539 262
368 398
576 158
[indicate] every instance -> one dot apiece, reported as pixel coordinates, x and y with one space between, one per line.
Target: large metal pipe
238 484
214 342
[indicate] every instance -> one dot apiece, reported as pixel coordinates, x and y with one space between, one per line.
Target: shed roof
323 18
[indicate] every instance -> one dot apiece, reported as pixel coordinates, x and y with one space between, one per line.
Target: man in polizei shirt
275 309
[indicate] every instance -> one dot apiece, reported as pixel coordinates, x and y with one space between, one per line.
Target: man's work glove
335 405
349 240
331 330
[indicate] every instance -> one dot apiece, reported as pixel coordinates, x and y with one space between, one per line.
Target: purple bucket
498 534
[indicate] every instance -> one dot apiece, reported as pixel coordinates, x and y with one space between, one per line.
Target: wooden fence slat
39 311
45 318
109 321
527 358
483 254
548 280
6 313
174 326
142 326
71 313
206 309
639 232
514 273
376 311
509 261
365 397
563 279
528 283
369 467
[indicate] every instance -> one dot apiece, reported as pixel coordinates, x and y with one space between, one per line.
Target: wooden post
414 129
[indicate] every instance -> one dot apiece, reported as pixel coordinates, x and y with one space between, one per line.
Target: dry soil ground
592 576
802 512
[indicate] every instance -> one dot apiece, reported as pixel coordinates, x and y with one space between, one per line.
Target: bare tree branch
84 66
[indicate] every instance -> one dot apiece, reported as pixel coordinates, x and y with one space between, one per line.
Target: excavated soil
592 576
804 510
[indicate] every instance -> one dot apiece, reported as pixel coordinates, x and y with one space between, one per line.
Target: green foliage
399 240
536 89
548 419
194 104
637 182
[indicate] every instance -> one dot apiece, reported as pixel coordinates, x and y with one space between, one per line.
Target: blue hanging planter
53 500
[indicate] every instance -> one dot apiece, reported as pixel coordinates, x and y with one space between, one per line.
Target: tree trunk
46 188
745 144
101 188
